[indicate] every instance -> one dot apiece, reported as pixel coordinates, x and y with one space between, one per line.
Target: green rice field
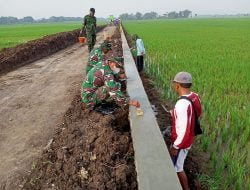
217 53
12 35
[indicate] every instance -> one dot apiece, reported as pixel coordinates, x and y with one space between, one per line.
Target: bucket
82 40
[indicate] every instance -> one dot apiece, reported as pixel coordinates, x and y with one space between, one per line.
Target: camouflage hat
106 45
119 59
113 59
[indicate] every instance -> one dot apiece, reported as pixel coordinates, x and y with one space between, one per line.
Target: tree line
29 19
153 15
125 16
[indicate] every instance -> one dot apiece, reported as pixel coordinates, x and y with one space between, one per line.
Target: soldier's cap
119 59
92 10
113 59
106 45
183 78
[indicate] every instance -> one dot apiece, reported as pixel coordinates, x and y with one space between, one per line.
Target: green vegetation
12 35
217 53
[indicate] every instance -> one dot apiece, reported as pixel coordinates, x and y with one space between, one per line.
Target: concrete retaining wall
154 167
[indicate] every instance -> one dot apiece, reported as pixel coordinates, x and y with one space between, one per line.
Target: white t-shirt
140 47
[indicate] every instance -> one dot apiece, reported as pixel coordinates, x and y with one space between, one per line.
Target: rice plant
217 53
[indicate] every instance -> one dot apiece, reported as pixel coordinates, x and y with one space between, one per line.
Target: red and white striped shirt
183 118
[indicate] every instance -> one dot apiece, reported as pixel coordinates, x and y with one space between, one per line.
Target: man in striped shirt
183 117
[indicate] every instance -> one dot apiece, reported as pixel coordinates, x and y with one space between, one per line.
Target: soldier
89 25
100 87
97 55
121 76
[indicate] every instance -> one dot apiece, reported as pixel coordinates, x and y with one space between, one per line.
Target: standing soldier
97 55
100 87
89 24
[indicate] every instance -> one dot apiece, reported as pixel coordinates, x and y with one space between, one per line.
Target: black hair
185 85
92 10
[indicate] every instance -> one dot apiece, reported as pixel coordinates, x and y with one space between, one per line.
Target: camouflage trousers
91 99
91 40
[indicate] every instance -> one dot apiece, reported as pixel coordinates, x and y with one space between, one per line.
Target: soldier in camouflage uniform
97 55
121 76
100 86
89 24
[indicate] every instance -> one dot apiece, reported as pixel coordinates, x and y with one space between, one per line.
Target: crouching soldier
97 55
121 76
100 88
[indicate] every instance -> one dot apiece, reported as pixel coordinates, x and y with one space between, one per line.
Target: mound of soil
12 58
88 150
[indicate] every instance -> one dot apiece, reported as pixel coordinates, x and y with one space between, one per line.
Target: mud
12 58
100 145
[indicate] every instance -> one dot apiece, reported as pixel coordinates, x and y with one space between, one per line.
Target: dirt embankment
88 151
12 58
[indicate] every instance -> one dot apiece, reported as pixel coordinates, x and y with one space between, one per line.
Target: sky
104 8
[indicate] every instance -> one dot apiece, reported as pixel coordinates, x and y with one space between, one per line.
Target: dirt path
33 101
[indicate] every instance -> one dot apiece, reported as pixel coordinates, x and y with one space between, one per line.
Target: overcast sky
74 8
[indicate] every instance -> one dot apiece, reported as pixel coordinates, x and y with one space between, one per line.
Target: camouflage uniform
90 26
100 86
97 55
